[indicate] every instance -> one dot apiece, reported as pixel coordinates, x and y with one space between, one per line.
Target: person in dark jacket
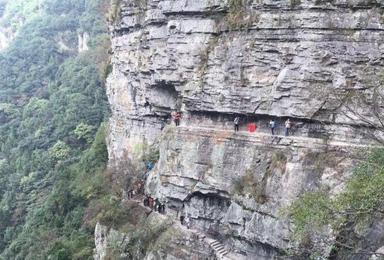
236 122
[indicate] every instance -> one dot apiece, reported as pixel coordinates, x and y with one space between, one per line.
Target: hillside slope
52 148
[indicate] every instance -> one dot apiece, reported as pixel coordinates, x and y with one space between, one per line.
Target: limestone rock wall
237 186
318 62
295 60
170 244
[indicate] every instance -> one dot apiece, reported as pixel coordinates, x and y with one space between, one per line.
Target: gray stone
292 60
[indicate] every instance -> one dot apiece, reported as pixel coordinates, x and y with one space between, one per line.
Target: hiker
137 188
236 122
188 222
150 202
157 205
182 218
288 125
162 125
272 125
162 207
131 193
150 166
176 117
146 201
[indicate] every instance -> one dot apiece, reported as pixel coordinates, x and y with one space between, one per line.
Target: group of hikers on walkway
176 117
154 204
272 125
138 189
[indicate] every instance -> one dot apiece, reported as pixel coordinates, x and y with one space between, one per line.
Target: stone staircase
220 252
218 248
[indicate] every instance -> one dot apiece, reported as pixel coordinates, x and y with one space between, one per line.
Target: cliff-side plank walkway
265 139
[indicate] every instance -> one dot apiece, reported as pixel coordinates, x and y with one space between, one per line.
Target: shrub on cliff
352 210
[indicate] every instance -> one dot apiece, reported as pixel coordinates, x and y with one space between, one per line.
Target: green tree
50 97
353 209
84 132
60 151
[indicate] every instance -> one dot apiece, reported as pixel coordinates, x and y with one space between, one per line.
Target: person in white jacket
272 125
288 125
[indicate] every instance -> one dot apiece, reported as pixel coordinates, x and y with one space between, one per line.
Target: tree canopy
52 137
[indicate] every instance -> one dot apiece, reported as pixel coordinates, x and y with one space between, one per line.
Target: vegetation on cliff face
349 213
52 141
239 17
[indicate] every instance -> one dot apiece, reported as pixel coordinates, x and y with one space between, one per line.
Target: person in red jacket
176 116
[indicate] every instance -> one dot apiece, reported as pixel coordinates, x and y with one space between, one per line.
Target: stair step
216 245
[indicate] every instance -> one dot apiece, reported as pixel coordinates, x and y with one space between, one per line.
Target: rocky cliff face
316 62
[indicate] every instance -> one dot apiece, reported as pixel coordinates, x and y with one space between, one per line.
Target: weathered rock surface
237 186
292 60
106 239
171 243
83 39
318 62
